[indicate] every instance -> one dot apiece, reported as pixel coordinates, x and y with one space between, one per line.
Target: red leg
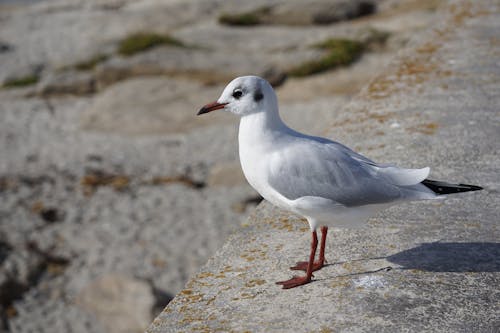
324 231
300 280
302 265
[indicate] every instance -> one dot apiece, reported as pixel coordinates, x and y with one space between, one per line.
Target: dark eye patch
258 96
237 93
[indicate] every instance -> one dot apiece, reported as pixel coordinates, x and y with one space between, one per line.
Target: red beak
211 107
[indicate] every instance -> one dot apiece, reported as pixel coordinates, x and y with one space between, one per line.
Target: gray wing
311 166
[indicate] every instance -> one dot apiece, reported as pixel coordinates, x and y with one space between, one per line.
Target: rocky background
112 192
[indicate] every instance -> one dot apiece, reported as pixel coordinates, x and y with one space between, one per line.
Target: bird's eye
237 93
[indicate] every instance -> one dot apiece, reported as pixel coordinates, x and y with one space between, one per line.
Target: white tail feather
403 177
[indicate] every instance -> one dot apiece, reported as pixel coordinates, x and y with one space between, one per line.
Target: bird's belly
255 174
331 213
256 180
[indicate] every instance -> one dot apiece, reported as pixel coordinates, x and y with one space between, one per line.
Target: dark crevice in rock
5 47
51 215
242 206
32 181
255 200
162 298
48 260
12 288
182 179
5 249
93 179
297 13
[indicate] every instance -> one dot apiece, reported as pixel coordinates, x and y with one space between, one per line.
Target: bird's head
244 95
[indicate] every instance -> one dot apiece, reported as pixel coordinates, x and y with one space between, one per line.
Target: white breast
254 147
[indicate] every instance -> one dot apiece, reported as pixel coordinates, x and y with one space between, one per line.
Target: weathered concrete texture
437 105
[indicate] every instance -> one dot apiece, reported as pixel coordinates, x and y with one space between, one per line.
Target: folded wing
309 167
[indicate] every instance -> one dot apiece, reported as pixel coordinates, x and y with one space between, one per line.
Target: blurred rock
19 270
23 76
302 13
203 65
59 33
67 82
121 304
5 47
244 205
274 76
226 174
319 12
151 105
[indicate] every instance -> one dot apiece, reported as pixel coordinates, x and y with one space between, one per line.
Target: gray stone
67 83
5 47
150 105
89 28
18 270
132 224
310 12
33 70
422 266
201 64
120 303
226 174
319 12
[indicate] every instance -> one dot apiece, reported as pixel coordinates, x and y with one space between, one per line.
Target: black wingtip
439 187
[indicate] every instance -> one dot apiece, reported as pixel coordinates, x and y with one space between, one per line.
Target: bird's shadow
450 257
440 257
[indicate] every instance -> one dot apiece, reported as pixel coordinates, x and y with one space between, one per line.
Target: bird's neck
260 127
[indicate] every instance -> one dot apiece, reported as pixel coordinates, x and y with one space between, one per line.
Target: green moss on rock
254 17
22 81
89 64
247 19
143 41
340 52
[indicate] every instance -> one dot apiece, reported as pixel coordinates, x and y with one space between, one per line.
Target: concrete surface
424 266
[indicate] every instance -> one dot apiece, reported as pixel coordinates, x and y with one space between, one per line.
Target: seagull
322 180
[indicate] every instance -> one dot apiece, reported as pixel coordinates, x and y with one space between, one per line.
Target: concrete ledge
421 266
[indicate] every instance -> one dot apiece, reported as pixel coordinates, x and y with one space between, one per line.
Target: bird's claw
294 282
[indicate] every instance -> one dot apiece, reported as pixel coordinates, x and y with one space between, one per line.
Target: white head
245 95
